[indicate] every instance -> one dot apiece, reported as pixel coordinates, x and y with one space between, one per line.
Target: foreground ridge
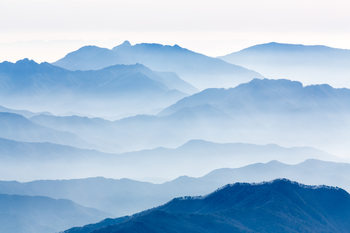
276 206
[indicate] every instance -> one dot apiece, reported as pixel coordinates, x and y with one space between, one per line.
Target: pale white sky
45 30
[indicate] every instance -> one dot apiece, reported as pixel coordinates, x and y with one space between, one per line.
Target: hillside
41 160
124 196
17 127
200 70
35 214
115 90
309 64
277 206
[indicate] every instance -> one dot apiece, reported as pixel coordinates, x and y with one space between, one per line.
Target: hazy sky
48 29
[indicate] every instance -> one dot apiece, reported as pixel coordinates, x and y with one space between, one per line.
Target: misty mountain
264 111
35 214
17 127
269 96
200 70
125 196
11 150
309 64
311 171
118 197
129 89
279 111
101 132
30 161
46 160
128 134
277 206
198 157
24 113
259 112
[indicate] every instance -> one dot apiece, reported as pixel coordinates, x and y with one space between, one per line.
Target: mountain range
129 89
16 127
305 63
11 150
24 113
179 125
277 206
125 196
259 112
36 214
44 160
269 96
199 70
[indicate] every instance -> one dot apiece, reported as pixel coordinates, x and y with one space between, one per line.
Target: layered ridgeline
260 112
278 206
124 196
116 90
268 96
17 127
24 113
35 214
309 64
36 160
200 70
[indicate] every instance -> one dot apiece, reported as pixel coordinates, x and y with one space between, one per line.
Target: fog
170 121
98 126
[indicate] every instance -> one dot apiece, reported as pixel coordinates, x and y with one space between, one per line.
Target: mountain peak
26 61
20 63
196 142
125 44
27 65
276 206
272 83
281 185
89 48
277 47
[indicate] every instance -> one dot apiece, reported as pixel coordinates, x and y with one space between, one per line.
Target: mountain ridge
17 127
195 68
39 214
278 205
307 63
42 160
132 89
127 196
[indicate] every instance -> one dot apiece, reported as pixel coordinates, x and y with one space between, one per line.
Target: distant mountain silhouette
124 196
11 150
309 64
113 77
200 70
278 206
24 113
43 160
99 131
34 214
17 127
130 89
269 96
279 111
263 111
